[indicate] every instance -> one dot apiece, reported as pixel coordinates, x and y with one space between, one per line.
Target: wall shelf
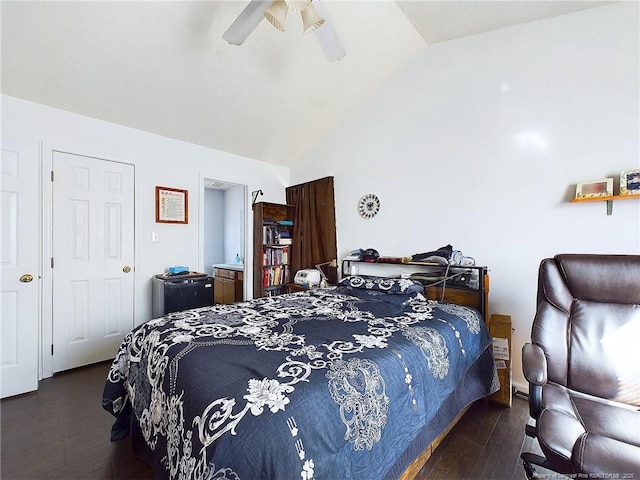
608 199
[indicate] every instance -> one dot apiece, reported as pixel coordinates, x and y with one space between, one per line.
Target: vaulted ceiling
163 66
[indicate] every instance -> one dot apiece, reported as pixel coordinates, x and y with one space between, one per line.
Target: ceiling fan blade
246 22
327 36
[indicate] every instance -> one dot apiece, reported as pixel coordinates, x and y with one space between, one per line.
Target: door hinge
52 175
51 262
52 349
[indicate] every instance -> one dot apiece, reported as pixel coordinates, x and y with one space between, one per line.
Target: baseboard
522 389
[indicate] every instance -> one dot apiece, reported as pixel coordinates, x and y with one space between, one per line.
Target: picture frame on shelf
595 188
172 205
630 182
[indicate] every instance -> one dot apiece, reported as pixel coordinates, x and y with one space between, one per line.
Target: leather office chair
583 367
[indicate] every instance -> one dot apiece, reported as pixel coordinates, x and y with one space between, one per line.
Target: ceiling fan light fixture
276 14
311 20
297 5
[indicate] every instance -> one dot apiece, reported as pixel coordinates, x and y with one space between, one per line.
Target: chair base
530 459
530 431
529 471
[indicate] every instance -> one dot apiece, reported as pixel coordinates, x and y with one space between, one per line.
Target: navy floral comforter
324 384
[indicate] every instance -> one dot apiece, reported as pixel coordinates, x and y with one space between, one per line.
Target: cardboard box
500 330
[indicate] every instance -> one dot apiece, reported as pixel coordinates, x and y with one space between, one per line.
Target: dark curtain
314 227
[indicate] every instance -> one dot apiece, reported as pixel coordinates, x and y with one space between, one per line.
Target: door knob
26 278
126 269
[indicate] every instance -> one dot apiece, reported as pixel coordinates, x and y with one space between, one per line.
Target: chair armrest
534 364
534 367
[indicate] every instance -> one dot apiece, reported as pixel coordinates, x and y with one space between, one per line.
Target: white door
19 254
93 246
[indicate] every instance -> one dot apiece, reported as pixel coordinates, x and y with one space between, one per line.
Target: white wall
224 226
158 161
234 229
213 228
480 142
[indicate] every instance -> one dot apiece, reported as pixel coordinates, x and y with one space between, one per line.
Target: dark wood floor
62 432
485 444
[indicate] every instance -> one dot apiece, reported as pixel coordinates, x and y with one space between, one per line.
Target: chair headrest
601 278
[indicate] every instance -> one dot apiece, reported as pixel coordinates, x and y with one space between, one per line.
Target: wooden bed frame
474 298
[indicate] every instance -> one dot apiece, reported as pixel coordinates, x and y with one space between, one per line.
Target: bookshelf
272 235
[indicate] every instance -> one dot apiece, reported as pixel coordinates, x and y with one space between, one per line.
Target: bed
357 381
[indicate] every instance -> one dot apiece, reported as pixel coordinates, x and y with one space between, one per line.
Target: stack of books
284 236
277 233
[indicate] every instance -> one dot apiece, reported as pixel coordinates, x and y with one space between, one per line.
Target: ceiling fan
275 12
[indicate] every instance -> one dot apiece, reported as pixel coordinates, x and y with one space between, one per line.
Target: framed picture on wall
595 188
630 182
172 205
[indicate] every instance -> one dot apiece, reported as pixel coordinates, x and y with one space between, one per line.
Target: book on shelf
275 254
266 234
392 259
283 236
272 235
275 275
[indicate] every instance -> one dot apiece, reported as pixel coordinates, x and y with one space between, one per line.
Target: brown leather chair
583 367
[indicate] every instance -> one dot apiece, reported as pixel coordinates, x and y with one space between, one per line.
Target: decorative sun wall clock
368 205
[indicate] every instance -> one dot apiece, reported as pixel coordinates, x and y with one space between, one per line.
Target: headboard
468 286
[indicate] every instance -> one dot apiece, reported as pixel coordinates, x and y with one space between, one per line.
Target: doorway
224 227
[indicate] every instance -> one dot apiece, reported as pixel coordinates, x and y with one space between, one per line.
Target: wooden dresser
227 285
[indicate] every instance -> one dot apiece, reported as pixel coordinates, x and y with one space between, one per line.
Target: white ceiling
162 66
